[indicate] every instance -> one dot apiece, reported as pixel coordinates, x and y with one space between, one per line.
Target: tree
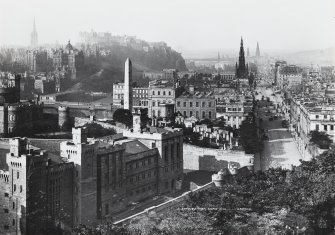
95 130
123 116
321 139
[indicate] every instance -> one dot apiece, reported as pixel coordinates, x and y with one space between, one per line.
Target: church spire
258 53
34 26
34 36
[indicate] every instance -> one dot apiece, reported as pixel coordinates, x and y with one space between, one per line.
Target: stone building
140 97
68 58
112 173
35 189
233 112
15 116
200 105
162 94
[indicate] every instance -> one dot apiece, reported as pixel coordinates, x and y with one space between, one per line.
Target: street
279 150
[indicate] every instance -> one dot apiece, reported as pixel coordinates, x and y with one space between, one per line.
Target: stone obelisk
128 92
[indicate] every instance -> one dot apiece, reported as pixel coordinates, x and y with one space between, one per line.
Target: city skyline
179 24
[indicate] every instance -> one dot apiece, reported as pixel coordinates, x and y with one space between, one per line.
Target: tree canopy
123 116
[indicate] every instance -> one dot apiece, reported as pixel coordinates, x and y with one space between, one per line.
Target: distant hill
104 62
324 57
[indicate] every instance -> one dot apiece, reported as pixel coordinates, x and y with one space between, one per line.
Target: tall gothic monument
34 37
241 67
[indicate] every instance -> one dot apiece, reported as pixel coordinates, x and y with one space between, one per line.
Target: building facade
199 105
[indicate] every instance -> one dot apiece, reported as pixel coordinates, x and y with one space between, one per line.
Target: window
153 92
203 114
325 116
210 115
317 116
153 113
166 185
14 187
13 223
325 127
5 210
191 113
209 104
184 113
136 165
13 205
159 93
153 103
21 189
191 104
153 145
163 92
172 152
18 175
106 209
184 104
158 113
196 104
178 104
332 127
6 195
166 152
169 92
317 127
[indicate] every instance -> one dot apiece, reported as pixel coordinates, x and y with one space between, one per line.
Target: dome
69 47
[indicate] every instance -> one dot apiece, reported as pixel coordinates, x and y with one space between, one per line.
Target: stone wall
198 158
152 211
51 145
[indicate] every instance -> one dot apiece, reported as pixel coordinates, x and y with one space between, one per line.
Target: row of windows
162 93
142 176
203 104
14 188
324 116
196 113
325 127
142 163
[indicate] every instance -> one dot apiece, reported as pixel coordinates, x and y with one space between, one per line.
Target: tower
241 69
258 53
128 94
34 36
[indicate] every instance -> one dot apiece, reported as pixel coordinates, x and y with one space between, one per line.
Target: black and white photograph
167 117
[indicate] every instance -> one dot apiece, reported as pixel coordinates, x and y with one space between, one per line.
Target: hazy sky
198 25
